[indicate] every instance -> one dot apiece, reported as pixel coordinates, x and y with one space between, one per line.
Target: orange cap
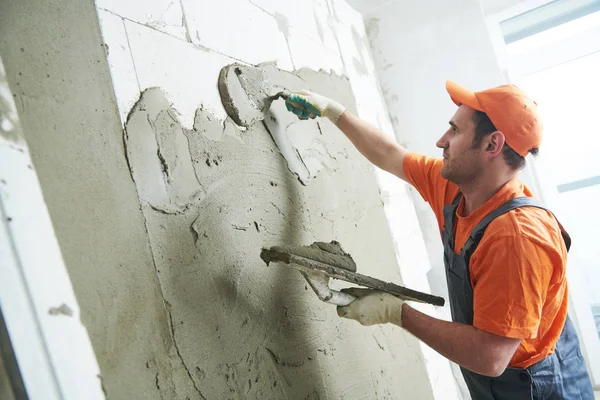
510 110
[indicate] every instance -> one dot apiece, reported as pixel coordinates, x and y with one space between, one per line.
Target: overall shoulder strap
450 209
517 202
449 215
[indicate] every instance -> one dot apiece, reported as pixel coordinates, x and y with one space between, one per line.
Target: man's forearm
478 351
381 150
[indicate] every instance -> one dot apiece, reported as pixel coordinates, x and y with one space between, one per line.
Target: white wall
491 7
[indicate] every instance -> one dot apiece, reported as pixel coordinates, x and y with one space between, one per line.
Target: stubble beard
459 173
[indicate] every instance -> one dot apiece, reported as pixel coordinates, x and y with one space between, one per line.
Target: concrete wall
56 65
5 386
174 296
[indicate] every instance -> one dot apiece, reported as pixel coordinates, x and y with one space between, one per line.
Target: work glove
372 307
307 105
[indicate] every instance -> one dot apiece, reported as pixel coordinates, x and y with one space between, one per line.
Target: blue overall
561 375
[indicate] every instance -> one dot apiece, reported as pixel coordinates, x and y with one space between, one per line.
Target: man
505 254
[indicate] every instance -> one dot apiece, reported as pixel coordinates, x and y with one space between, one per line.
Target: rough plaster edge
166 305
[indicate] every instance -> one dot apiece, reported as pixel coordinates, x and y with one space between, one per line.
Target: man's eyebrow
452 124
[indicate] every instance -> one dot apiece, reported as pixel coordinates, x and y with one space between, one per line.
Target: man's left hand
372 307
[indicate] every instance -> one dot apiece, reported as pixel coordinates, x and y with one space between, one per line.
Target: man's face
463 163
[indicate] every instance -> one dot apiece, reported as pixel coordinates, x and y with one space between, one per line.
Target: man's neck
478 192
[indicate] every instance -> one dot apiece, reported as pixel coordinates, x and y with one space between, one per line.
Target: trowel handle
341 298
284 94
319 283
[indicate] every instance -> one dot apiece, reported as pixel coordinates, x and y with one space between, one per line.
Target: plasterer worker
505 255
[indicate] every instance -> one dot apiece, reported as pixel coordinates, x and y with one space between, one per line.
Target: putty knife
322 261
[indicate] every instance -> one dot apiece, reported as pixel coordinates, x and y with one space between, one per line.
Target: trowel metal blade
247 93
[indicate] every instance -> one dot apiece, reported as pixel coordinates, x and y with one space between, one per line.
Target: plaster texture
242 329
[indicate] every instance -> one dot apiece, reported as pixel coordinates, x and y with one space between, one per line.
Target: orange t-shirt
518 269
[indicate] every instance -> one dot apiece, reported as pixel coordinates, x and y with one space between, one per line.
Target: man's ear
494 144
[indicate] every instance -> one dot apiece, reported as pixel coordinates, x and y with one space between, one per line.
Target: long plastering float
321 261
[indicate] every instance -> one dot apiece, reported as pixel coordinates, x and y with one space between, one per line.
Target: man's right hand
307 105
372 307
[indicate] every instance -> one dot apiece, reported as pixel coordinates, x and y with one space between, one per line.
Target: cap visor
461 95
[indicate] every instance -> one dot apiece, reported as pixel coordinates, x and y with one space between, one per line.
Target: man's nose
442 142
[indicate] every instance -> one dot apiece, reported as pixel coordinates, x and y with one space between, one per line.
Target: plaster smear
246 93
212 197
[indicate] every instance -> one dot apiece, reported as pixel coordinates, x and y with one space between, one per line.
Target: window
553 53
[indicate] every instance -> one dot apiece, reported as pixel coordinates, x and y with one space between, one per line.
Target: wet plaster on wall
212 197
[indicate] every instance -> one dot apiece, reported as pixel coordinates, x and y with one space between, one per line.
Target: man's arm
476 350
380 149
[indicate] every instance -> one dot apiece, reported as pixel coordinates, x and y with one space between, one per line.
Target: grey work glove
307 105
372 307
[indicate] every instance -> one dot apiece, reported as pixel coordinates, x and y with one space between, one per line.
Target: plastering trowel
321 261
247 93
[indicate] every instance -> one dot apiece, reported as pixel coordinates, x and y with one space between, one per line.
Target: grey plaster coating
212 197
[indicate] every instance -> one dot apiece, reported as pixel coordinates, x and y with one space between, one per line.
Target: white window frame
536 59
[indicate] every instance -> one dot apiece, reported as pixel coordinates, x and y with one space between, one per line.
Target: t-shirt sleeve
424 173
510 278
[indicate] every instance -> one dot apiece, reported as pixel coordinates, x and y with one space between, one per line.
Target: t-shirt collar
506 192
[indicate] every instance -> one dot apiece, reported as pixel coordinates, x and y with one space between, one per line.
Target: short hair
484 127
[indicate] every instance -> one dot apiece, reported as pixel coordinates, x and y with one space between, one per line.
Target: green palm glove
307 105
372 307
